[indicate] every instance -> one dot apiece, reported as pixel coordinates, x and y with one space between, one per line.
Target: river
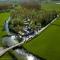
11 40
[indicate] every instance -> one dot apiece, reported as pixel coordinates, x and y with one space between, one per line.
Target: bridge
3 51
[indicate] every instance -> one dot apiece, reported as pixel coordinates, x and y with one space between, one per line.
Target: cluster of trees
37 17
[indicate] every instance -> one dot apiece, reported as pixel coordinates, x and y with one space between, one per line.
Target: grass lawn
47 44
3 17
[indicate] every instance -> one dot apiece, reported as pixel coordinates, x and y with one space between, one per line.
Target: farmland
47 44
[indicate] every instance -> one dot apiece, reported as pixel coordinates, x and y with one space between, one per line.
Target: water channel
11 40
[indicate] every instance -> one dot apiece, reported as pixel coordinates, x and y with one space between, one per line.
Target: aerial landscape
29 29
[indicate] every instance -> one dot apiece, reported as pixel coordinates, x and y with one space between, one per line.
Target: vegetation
36 16
47 44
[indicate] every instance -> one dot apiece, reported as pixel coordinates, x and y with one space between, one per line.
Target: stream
11 40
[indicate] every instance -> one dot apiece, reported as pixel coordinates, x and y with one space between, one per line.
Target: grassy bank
47 44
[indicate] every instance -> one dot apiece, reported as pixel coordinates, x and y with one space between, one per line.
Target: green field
3 17
51 6
47 44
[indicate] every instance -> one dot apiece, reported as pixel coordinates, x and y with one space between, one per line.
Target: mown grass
3 17
47 44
